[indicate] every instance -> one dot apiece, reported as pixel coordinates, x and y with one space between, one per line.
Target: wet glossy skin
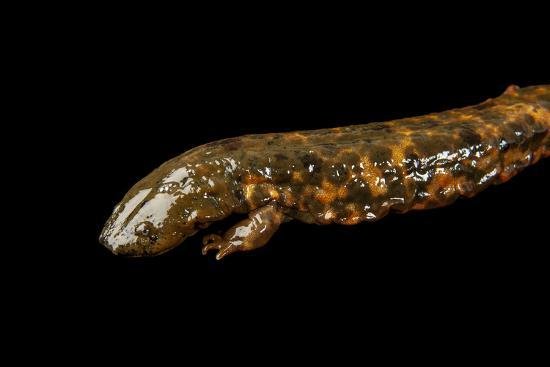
344 175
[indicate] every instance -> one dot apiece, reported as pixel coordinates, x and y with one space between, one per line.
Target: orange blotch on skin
341 192
372 175
487 162
441 182
254 179
295 137
329 192
353 219
297 176
289 199
354 216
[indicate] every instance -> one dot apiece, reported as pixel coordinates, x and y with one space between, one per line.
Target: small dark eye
143 229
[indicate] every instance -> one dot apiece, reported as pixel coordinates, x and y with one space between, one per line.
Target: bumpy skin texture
343 175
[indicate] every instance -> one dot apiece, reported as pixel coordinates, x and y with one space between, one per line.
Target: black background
105 94
136 99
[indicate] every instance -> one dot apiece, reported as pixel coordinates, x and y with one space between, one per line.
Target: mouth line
139 249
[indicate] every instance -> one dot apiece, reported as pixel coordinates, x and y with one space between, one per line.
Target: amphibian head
165 208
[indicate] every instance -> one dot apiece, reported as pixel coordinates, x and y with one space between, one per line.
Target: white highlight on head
155 211
177 175
182 177
120 235
232 163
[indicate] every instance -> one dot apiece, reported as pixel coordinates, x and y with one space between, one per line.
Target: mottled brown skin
343 175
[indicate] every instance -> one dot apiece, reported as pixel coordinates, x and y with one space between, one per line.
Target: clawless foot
247 235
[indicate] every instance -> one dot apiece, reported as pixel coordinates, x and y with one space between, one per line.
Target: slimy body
345 175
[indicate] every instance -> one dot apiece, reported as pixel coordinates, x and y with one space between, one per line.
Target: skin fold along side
344 175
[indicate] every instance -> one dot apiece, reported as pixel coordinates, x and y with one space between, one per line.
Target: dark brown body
351 174
358 173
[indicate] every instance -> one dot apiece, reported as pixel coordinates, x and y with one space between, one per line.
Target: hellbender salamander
344 175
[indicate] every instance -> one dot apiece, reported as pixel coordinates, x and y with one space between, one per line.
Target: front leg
247 235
